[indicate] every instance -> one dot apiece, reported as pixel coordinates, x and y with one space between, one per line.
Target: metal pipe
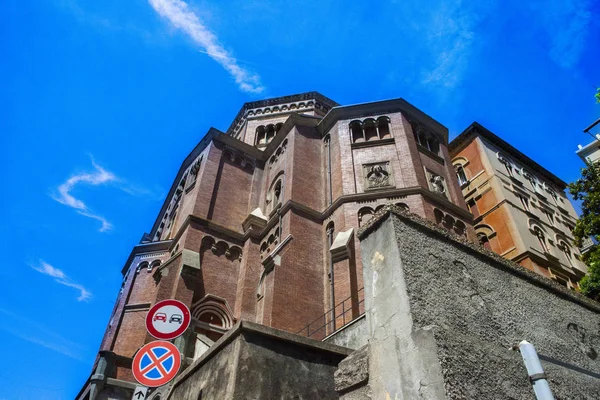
537 377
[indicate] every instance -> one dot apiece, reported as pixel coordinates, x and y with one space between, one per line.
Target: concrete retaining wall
442 316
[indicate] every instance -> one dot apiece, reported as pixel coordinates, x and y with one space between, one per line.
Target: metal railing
335 318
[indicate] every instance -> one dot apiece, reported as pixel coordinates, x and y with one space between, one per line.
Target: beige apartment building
520 209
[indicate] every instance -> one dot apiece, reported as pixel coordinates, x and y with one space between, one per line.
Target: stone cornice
145 248
239 238
476 129
382 107
279 100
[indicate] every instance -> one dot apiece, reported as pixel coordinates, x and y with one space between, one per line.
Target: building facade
520 209
259 222
590 153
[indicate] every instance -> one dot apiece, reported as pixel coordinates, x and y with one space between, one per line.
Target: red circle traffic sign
168 319
156 363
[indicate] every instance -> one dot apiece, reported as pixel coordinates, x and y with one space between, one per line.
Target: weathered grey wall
216 378
256 362
352 336
468 307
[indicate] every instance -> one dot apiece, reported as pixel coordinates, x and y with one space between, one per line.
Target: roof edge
476 129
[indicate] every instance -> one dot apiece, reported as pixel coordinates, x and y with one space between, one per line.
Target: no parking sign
156 363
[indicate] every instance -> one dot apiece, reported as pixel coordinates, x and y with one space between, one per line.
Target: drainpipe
331 282
537 377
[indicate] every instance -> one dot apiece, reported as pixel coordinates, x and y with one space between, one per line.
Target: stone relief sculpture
437 183
378 175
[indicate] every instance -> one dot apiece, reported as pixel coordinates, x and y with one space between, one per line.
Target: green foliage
587 189
590 284
597 95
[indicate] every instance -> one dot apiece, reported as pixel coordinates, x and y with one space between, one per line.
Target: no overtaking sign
168 319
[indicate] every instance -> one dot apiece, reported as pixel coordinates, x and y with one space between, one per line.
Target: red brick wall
230 202
132 333
298 283
307 177
219 274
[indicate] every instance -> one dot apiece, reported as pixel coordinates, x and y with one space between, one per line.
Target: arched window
507 164
154 264
425 138
449 222
383 127
564 247
433 145
484 241
275 194
370 129
460 173
330 228
439 216
357 132
261 136
532 180
142 266
364 215
403 206
460 228
270 132
541 238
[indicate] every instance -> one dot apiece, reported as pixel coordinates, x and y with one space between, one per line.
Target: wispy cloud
61 278
99 176
567 23
451 38
180 16
33 332
64 196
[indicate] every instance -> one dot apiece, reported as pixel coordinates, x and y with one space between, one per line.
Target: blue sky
100 101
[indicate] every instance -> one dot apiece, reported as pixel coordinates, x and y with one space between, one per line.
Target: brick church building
260 222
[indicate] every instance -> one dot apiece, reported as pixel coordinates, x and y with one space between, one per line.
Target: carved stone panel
437 183
378 175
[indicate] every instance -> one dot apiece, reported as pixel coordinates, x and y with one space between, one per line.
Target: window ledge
515 180
379 188
430 153
190 187
374 142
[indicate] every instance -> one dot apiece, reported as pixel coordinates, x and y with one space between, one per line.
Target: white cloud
181 17
61 278
567 23
64 196
451 38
